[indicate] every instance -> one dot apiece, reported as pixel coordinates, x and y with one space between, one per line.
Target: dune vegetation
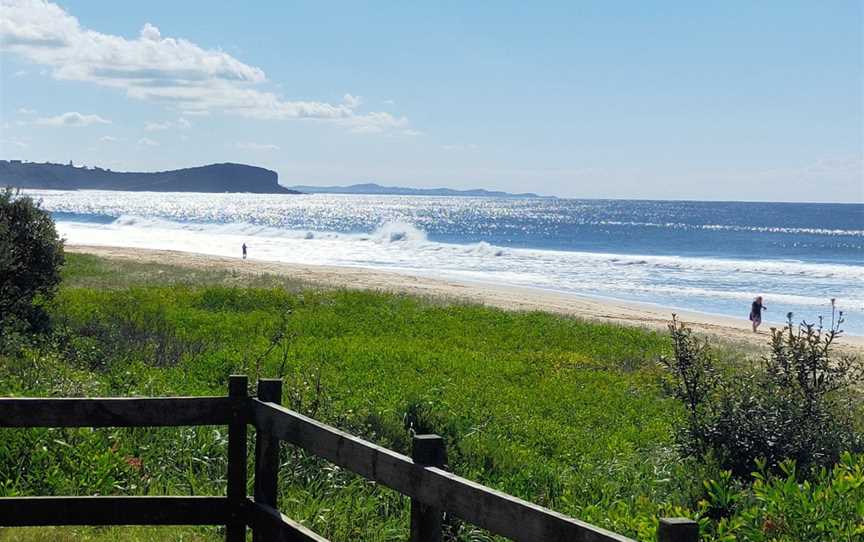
573 415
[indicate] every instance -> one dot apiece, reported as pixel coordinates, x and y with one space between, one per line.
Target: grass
88 271
561 412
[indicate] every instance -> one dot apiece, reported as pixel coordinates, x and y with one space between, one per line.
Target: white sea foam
395 232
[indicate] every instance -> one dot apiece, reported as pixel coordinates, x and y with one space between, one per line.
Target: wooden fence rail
433 491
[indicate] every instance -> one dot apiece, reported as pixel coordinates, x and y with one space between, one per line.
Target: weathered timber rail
433 490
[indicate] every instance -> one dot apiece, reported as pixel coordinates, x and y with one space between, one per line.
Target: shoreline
517 298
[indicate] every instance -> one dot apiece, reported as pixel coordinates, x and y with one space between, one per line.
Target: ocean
712 257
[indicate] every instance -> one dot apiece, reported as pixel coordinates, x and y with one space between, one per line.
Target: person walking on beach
756 313
244 251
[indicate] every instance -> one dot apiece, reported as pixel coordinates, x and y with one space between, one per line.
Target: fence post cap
678 521
428 450
237 385
678 530
270 390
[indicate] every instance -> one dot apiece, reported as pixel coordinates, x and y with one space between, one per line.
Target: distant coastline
379 190
220 178
227 177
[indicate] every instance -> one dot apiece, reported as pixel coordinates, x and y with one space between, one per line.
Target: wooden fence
433 490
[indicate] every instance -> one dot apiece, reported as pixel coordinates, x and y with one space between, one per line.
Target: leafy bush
31 255
796 404
776 507
695 380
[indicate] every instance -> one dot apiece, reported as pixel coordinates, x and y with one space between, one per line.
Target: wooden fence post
426 520
267 454
677 530
237 390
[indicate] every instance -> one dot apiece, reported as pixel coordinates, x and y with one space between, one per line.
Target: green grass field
564 413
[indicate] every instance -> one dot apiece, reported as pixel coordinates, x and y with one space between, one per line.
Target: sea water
713 257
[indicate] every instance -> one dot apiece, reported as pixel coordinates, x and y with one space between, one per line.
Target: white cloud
173 71
167 125
373 123
410 132
353 102
25 111
252 146
147 142
72 118
108 139
156 126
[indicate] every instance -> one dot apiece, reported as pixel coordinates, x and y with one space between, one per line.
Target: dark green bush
797 404
695 380
31 255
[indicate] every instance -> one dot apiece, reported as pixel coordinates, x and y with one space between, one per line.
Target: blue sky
671 100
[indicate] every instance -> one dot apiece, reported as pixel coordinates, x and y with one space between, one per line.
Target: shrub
31 255
776 507
695 379
796 404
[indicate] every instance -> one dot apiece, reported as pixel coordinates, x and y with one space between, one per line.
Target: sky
639 100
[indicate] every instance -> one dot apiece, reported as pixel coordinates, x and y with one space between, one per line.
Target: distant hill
372 188
212 178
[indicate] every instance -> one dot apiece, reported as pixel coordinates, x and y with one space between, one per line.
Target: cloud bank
172 71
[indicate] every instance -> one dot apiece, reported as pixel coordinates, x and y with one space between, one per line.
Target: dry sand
505 297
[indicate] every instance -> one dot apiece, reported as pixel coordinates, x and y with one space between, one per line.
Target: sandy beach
505 297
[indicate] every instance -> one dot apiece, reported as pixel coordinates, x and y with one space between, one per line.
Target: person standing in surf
756 313
244 251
